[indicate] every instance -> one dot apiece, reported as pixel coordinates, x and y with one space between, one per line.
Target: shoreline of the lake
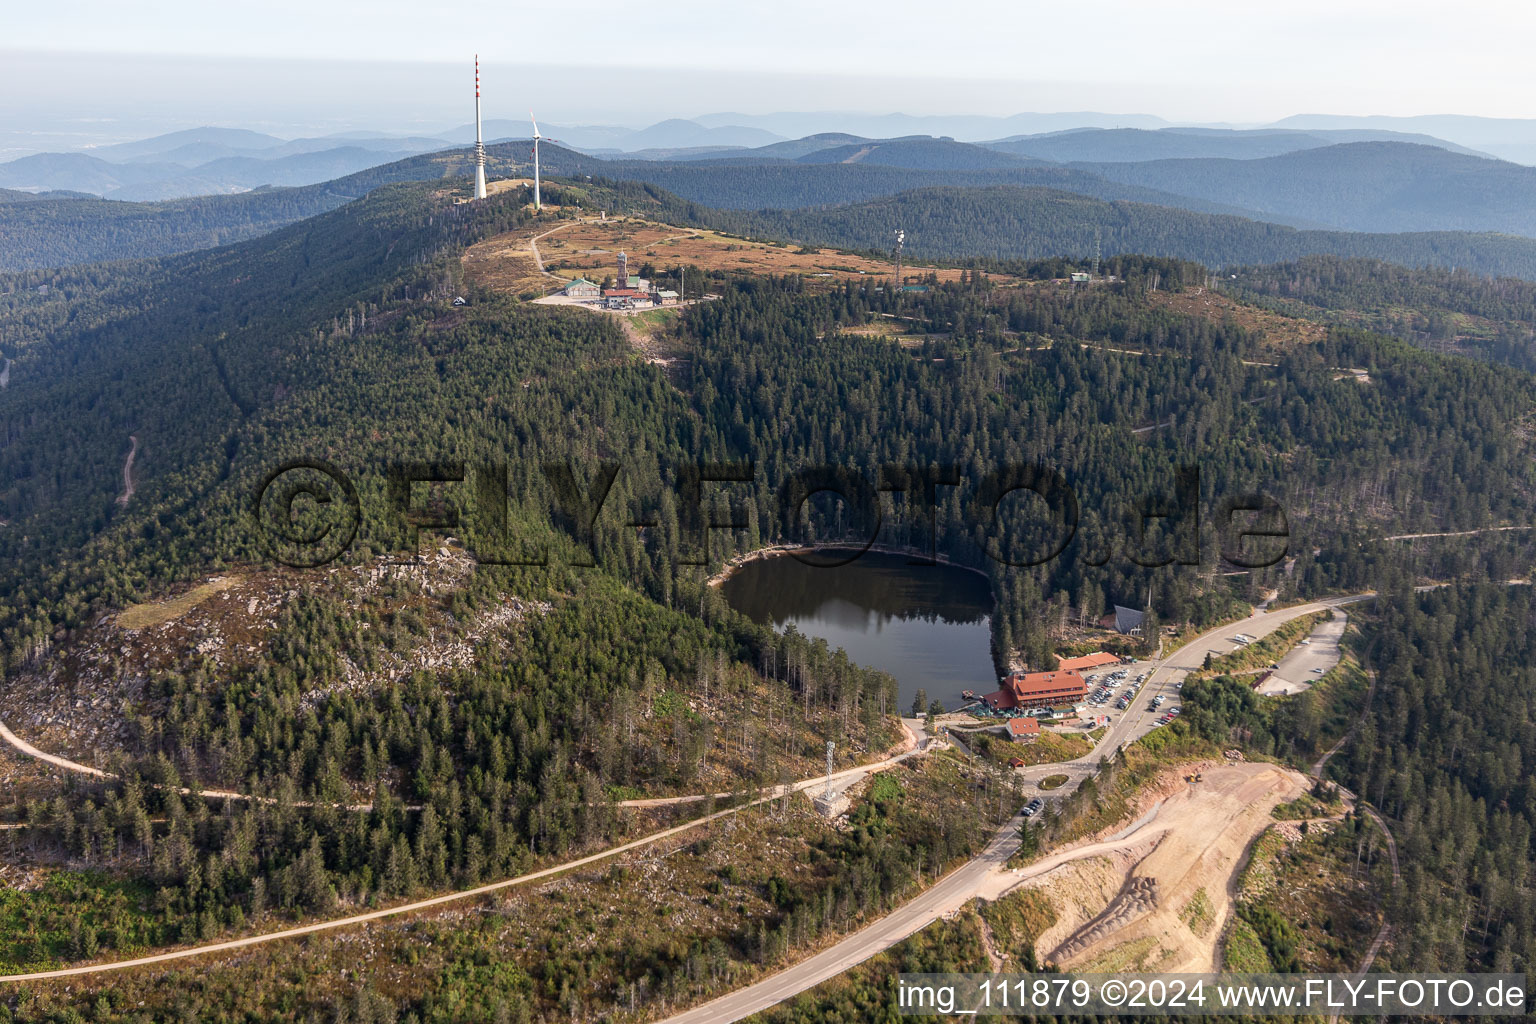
736 563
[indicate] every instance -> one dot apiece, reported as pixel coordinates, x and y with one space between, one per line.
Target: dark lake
930 626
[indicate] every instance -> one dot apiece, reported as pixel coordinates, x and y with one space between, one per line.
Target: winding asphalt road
963 884
950 892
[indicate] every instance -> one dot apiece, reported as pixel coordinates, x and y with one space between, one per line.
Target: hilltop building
628 291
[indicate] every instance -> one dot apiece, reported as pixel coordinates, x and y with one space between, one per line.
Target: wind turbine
537 203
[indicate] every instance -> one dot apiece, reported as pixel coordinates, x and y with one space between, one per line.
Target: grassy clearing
653 321
1308 806
1050 748
155 613
1053 782
76 915
1136 955
1017 920
1259 875
1198 913
1242 952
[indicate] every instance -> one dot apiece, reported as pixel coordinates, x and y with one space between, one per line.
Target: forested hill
741 184
1449 310
59 229
336 338
181 354
1003 222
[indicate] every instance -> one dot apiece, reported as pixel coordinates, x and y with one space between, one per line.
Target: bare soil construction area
1160 902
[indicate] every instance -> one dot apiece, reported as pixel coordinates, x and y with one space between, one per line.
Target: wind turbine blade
535 125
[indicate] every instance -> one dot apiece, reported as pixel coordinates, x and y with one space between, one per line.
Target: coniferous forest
338 340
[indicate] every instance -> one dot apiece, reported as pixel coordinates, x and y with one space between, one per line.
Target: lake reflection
930 626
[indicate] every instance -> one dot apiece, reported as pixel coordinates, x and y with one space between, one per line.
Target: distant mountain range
1359 186
205 162
216 161
1024 208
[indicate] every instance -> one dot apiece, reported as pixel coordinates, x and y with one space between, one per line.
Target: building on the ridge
626 299
1023 730
581 288
628 291
1037 690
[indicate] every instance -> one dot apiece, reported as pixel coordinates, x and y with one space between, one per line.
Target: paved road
1306 663
1138 719
952 891
949 894
965 882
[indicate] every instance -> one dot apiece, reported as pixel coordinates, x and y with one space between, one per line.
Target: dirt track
133 449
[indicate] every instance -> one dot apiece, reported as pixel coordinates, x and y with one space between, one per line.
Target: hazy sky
390 64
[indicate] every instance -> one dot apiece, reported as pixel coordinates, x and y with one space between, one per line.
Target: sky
94 68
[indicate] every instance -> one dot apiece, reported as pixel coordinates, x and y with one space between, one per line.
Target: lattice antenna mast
901 237
830 748
1098 236
479 139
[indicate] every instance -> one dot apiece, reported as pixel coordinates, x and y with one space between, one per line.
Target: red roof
1000 700
1093 660
1023 727
1047 687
